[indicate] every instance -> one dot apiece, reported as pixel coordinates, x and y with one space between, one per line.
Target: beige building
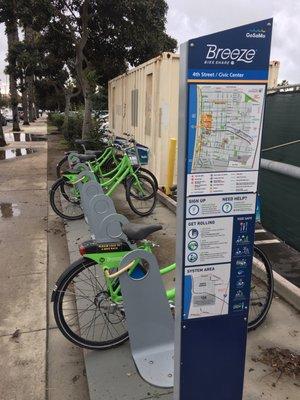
144 102
273 74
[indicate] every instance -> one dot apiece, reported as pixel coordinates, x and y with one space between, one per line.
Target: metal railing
281 168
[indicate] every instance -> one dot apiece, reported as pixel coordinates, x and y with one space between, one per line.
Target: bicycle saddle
96 153
83 142
138 231
86 157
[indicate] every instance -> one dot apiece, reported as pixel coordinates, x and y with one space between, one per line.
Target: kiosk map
228 127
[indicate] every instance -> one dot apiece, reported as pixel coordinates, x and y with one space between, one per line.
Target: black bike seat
97 153
138 231
86 157
83 142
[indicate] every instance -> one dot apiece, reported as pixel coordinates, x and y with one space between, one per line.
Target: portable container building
144 102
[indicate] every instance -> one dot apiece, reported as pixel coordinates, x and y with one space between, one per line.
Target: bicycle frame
108 261
112 179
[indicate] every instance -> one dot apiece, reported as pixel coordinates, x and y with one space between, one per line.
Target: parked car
3 120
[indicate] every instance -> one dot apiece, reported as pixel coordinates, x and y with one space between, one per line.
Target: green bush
74 128
57 119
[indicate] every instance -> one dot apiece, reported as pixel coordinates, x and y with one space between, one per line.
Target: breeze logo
215 54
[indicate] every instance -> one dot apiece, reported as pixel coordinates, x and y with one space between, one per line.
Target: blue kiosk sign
223 80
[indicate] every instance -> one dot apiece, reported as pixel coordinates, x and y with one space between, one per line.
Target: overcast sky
191 18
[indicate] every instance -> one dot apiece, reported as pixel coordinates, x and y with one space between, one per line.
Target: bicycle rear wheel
141 195
83 310
262 288
150 175
65 200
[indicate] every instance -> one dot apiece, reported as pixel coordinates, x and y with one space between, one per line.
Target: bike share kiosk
223 81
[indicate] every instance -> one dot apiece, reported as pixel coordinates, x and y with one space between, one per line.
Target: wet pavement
9 153
24 137
8 210
23 272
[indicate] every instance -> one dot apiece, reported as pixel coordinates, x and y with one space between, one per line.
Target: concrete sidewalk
36 361
112 374
23 272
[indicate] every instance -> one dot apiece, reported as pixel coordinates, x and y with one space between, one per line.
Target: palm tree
8 15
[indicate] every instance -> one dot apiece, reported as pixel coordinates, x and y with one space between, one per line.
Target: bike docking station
99 211
223 81
149 320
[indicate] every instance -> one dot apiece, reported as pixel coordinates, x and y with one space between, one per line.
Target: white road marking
260 230
267 241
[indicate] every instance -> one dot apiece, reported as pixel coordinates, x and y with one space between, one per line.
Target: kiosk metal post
223 79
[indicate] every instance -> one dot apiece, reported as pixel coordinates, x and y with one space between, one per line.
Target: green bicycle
140 189
106 157
87 298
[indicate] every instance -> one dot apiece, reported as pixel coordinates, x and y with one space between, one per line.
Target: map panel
228 127
209 291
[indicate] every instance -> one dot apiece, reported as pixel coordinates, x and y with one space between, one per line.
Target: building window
148 105
134 107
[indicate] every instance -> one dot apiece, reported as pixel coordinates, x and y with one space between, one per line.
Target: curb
167 201
285 289
288 291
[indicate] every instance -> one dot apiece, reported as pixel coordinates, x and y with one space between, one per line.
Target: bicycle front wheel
262 288
84 311
141 195
65 200
62 166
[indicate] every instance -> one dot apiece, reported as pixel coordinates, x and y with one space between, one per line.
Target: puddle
7 154
24 137
8 210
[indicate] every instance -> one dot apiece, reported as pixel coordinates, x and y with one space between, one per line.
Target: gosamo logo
217 54
256 33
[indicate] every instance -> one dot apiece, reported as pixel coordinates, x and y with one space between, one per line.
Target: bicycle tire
61 290
59 185
59 169
129 196
146 172
261 316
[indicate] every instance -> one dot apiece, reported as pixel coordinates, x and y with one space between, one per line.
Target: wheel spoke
88 314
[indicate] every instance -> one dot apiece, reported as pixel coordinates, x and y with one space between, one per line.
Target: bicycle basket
143 153
133 158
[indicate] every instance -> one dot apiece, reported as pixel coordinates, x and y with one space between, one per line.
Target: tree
3 103
283 83
29 79
2 138
22 62
107 36
98 39
8 15
57 66
47 97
